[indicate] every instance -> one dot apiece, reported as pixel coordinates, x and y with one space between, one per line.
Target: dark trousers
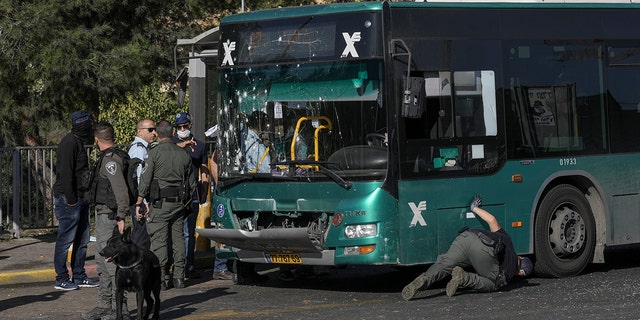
73 230
139 235
466 251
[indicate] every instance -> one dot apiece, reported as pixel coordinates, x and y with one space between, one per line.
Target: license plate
286 258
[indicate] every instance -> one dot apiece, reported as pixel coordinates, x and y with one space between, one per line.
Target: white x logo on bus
228 48
417 213
350 49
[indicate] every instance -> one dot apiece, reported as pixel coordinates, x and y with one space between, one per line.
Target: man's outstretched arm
493 223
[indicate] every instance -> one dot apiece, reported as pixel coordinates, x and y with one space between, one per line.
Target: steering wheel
376 139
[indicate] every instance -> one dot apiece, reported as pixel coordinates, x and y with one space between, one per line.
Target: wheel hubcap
567 232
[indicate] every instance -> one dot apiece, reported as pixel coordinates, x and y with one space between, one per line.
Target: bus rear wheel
564 239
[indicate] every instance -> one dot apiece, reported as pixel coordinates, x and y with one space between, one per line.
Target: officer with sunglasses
145 135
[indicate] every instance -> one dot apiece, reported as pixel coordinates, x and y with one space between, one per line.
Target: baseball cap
80 116
526 267
182 118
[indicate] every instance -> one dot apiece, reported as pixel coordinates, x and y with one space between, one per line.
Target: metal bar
17 187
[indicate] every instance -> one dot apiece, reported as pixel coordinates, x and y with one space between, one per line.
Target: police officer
145 135
489 252
167 181
110 194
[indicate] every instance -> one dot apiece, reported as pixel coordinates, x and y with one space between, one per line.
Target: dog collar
137 262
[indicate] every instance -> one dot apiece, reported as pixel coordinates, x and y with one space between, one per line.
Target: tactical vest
101 187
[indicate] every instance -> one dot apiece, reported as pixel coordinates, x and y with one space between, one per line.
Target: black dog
137 270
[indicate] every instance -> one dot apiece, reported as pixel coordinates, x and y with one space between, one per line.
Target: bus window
475 103
624 98
460 107
559 107
472 114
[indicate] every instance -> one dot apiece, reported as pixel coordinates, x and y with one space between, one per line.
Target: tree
150 102
59 56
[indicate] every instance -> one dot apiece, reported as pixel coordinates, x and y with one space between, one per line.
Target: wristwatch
119 218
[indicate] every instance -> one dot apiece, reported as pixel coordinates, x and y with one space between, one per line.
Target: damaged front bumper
260 246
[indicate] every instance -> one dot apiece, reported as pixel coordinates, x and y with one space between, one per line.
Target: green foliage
59 56
153 102
108 57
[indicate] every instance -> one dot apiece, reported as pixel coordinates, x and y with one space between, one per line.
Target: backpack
129 167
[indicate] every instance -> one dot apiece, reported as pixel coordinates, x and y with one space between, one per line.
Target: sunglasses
183 126
150 129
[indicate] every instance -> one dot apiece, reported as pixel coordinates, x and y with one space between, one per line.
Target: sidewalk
30 260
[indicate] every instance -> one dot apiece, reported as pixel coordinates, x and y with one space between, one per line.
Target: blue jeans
73 230
219 265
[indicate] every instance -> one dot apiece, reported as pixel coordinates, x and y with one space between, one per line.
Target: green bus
379 122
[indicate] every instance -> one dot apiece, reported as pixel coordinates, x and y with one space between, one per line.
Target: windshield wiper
323 169
252 176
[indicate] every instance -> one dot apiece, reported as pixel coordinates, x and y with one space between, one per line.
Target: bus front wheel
564 239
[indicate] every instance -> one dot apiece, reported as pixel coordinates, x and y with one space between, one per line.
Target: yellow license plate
286 258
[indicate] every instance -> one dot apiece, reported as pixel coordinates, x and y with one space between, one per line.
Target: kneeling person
489 253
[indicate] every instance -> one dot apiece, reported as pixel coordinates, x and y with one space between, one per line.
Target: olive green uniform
110 170
170 165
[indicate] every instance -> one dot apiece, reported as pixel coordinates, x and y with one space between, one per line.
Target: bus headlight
361 231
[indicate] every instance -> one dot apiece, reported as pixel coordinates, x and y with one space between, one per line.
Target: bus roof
288 12
307 10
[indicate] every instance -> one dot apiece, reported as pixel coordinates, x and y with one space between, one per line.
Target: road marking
227 314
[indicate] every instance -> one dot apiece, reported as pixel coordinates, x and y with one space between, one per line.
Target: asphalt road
610 291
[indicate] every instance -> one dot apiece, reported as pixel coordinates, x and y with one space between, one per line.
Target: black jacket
72 168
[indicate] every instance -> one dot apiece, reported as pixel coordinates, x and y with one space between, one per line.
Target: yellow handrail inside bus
316 143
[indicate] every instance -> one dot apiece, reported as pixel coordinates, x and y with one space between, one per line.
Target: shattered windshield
294 120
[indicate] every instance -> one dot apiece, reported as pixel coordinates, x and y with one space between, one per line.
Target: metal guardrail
26 186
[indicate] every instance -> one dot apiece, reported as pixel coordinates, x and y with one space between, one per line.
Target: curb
12 277
37 275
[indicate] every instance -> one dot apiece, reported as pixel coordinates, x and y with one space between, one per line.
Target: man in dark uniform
111 197
489 253
167 181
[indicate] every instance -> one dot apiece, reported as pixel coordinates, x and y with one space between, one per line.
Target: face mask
183 134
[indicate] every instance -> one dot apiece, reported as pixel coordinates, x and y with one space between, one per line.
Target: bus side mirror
413 98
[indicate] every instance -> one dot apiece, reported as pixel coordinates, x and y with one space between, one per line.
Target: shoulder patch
111 167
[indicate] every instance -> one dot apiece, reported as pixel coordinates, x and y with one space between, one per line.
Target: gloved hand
476 202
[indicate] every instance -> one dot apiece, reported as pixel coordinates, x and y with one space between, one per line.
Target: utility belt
170 192
171 199
157 195
498 246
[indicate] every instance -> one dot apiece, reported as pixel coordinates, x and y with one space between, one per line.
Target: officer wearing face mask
196 149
